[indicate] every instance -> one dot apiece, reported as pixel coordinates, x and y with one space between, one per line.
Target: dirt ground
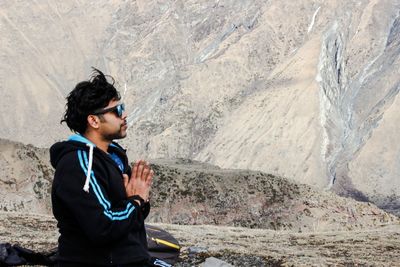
378 246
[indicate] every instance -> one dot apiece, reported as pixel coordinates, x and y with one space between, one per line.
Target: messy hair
86 97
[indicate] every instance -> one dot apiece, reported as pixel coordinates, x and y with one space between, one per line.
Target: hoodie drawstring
89 171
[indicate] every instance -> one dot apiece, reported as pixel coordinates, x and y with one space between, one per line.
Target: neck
99 142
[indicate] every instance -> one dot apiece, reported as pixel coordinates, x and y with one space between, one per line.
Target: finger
146 171
150 174
149 179
135 169
140 169
126 179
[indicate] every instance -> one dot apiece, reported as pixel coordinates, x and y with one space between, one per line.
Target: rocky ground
258 247
238 246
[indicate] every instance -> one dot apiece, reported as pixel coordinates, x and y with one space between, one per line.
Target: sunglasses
118 110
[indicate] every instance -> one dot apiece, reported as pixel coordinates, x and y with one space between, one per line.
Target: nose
124 115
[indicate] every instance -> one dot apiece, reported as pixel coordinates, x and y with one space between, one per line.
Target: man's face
111 125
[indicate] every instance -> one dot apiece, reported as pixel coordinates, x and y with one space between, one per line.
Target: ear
93 121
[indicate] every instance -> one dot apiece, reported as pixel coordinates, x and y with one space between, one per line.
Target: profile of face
112 124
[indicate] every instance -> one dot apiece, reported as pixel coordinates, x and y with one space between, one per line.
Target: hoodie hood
79 142
74 142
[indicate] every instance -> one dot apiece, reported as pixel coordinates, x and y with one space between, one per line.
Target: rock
214 262
197 250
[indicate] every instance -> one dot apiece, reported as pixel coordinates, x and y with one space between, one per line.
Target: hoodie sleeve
100 220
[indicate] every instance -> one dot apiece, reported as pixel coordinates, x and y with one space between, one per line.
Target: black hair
86 97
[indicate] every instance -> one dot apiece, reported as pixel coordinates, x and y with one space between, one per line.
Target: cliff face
304 89
25 178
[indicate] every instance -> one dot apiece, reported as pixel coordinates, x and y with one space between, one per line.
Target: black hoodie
101 226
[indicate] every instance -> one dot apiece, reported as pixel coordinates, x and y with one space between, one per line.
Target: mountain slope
300 89
189 192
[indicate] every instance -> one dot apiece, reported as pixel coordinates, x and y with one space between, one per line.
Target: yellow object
169 244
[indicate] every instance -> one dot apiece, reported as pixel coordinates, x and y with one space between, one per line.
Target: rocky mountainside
301 89
189 192
25 178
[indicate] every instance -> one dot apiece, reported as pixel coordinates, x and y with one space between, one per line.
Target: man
99 201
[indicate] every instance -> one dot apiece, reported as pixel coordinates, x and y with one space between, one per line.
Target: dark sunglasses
118 110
